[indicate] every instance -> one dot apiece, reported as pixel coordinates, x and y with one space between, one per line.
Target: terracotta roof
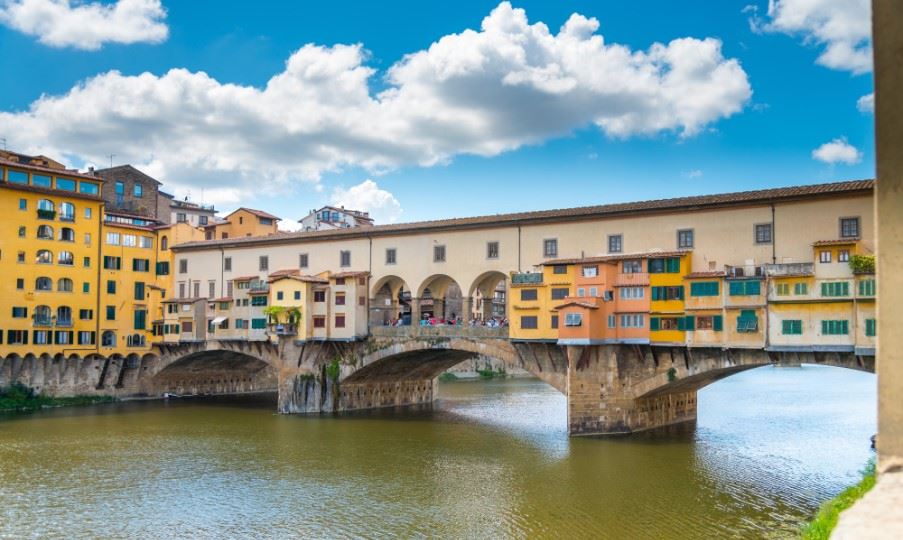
49 191
794 275
361 273
245 278
52 171
306 279
258 213
621 257
182 300
839 242
285 272
680 204
694 275
579 303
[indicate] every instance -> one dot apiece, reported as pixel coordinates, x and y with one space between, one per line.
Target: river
491 459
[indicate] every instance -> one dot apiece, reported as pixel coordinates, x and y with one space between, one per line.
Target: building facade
332 217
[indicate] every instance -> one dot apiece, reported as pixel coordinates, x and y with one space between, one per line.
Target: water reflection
491 459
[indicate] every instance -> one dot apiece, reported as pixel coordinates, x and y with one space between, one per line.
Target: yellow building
243 222
667 320
533 297
49 258
704 306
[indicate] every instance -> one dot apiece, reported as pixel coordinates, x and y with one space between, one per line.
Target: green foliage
18 397
827 516
333 371
448 377
672 375
863 264
273 313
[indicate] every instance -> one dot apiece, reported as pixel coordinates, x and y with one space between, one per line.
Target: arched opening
216 372
67 235
108 338
164 243
43 316
64 316
390 302
44 256
66 258
43 283
489 298
440 301
64 285
45 232
67 211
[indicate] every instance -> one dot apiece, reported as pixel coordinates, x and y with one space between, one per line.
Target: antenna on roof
111 160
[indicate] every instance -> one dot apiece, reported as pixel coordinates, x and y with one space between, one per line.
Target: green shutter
753 288
680 293
140 319
824 325
824 292
139 290
655 293
690 324
718 323
845 290
681 324
696 289
736 288
673 265
870 327
654 323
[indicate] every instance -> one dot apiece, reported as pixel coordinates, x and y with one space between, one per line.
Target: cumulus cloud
837 151
842 28
59 23
510 83
695 173
369 197
866 103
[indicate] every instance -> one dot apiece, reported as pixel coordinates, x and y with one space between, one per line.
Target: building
243 222
128 190
186 211
331 217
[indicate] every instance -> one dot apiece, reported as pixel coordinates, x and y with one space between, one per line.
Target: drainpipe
774 238
518 249
98 263
222 271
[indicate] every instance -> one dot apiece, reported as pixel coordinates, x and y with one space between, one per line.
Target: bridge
610 389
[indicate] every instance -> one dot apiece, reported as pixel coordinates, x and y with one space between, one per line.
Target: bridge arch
441 296
390 300
482 293
213 368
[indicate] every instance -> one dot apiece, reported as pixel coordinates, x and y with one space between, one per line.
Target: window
704 322
20 257
211 289
140 319
835 327
529 322
188 327
229 289
340 299
112 263
67 211
139 290
528 294
111 286
164 243
86 287
843 255
88 188
581 292
86 338
129 240
867 287
183 266
181 290
88 213
559 269
492 250
65 184
664 323
297 295
704 288
557 293
279 295
792 327
612 321
763 233
87 239
146 242
438 253
43 284
320 296
64 285
319 322
22 232
593 292
85 314
633 320
181 217
227 264
747 322
113 239
41 337
668 293
66 258
162 268
20 283
632 267
45 232
550 247
44 256
138 190
40 180
824 256
111 313
800 288
573 319
745 288
849 227
17 177
303 260
344 258
120 187
23 204
870 328
202 220
835 288
17 337
782 289
615 243
141 265
391 256
340 321
685 238
630 293
590 271
197 289
20 312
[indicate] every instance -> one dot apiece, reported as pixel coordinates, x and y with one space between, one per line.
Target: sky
428 110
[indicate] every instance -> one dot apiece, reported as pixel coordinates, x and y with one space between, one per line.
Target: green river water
491 459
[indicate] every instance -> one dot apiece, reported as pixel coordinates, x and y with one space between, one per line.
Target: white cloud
837 151
88 26
695 173
483 92
367 196
866 103
842 27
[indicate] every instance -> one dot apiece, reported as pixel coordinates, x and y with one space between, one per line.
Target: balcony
66 323
43 321
632 279
46 214
259 286
750 271
790 269
527 278
67 217
284 329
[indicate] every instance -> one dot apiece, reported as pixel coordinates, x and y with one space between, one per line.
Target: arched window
134 340
22 232
67 211
67 235
64 285
164 243
64 316
45 205
43 284
66 258
108 339
42 316
44 256
45 232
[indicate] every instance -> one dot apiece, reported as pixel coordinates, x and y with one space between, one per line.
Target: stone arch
214 370
390 301
440 296
482 293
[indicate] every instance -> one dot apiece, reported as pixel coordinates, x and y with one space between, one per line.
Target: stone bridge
609 388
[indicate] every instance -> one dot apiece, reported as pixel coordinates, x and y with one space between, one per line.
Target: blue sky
794 86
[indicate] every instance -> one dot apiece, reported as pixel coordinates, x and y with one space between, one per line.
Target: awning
218 321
